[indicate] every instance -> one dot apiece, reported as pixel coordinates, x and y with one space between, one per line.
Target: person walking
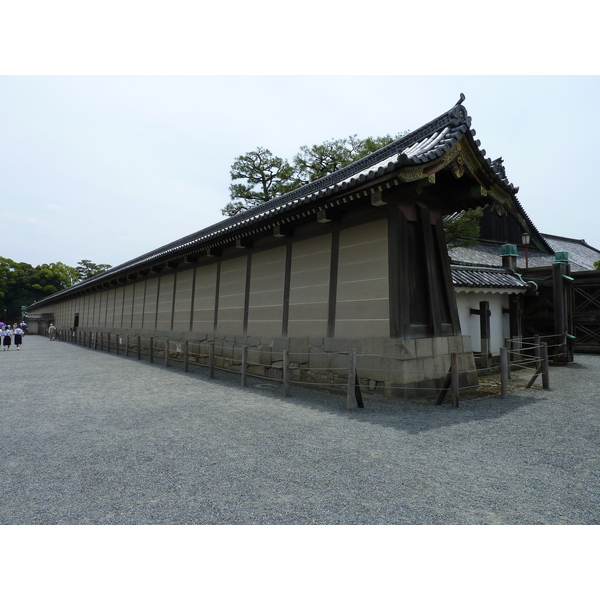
18 333
6 338
52 332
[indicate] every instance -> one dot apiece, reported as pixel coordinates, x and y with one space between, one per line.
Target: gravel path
93 438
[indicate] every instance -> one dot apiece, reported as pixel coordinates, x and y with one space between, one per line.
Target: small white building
496 290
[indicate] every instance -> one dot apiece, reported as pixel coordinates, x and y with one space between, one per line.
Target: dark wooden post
351 402
186 356
515 310
454 384
560 322
545 367
504 372
139 347
127 345
286 373
508 346
484 329
166 353
108 342
244 364
151 349
211 359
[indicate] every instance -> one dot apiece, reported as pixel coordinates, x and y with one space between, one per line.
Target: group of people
7 333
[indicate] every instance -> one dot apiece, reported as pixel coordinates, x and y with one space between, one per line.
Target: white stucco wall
470 298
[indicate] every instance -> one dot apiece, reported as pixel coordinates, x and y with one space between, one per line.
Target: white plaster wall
499 322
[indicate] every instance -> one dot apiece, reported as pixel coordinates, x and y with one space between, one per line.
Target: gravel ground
94 438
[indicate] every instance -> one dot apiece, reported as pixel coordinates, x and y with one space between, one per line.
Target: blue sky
118 127
109 167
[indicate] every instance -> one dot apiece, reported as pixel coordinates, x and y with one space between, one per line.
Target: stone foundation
394 368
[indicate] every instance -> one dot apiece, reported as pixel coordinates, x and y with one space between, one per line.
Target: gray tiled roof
423 145
482 277
581 255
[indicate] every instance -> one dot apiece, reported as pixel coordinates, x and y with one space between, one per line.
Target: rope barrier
162 349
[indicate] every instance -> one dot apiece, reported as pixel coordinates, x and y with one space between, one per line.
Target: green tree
86 269
319 160
597 265
267 176
21 284
463 229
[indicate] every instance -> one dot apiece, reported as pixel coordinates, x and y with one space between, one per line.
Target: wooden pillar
434 297
244 364
211 359
399 293
515 315
484 330
560 322
504 372
545 367
454 384
286 373
351 402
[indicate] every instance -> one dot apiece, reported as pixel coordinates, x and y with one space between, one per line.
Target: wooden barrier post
286 373
508 345
166 353
541 351
545 367
108 342
211 359
484 331
537 349
139 347
186 356
454 379
151 349
504 372
244 364
351 402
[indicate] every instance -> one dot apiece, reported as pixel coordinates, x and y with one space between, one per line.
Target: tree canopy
267 176
21 284
463 229
86 268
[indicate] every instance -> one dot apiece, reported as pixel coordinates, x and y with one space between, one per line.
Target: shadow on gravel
408 416
412 417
